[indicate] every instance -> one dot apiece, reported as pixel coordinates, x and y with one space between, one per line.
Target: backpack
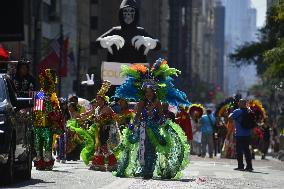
248 119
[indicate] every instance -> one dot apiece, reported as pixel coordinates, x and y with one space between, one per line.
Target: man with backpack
244 122
207 123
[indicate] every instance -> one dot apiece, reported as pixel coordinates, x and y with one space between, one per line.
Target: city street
202 173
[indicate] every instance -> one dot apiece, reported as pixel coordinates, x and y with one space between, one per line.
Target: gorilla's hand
148 42
108 41
90 80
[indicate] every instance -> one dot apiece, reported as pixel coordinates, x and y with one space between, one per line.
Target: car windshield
2 91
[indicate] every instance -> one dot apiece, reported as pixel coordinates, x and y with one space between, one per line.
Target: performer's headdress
197 108
224 106
158 77
257 107
48 81
104 89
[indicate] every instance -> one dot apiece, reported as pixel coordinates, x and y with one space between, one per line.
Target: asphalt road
201 173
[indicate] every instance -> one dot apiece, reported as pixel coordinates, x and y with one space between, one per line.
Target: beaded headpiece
104 89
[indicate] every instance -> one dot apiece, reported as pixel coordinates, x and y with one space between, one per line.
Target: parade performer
102 137
152 142
257 134
47 119
126 115
183 119
196 111
61 137
222 113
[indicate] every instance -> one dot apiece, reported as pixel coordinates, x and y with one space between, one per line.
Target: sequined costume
47 119
153 145
101 138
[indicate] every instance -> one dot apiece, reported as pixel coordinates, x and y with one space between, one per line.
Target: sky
260 6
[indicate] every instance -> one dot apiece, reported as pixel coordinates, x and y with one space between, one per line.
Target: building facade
179 42
219 42
240 28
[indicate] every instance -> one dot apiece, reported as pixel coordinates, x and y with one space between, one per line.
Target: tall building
180 40
219 42
203 55
240 28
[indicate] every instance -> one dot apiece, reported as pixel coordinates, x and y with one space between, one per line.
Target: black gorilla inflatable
128 43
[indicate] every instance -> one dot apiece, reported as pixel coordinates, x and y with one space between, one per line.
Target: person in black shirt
24 82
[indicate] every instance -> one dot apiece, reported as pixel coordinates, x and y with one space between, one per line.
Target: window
94 22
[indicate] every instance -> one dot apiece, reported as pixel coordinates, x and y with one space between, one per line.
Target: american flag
39 101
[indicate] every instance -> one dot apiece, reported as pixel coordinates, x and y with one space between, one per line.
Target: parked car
15 133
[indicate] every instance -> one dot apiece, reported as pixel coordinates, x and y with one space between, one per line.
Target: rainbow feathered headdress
157 77
224 107
257 107
197 108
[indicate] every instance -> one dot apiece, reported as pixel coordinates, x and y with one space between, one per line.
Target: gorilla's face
128 15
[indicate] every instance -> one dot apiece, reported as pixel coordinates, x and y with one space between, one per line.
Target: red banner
52 60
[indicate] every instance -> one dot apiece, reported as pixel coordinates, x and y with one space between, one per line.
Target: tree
268 53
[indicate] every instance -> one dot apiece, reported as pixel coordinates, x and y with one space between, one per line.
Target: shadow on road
258 172
21 183
60 171
178 180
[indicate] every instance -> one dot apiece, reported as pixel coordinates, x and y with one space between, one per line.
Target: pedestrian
265 142
207 123
243 137
196 112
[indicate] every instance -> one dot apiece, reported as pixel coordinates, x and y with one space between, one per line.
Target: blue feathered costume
153 145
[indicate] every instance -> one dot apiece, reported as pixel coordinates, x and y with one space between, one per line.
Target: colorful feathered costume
222 113
260 114
152 146
47 119
100 138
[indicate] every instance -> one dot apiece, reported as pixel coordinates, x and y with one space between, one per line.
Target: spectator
196 141
23 81
243 137
207 123
265 142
